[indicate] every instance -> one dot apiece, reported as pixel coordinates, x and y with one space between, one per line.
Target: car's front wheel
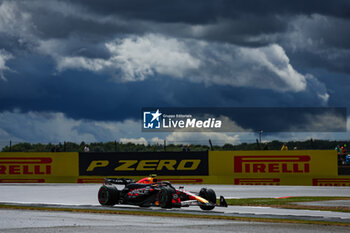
108 195
210 196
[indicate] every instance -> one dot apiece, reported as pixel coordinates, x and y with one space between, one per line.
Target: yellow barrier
299 167
38 167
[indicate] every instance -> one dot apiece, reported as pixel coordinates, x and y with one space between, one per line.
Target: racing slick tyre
210 196
166 197
108 195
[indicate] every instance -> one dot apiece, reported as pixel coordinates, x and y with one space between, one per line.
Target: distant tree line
131 147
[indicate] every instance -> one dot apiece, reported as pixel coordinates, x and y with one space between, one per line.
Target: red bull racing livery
151 192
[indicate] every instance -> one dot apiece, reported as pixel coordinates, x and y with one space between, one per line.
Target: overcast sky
82 70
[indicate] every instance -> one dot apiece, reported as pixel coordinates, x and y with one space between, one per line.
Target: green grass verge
172 214
290 203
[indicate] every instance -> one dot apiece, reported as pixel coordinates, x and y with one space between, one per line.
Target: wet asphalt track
85 196
14 221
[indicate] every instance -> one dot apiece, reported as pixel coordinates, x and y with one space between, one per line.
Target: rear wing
118 181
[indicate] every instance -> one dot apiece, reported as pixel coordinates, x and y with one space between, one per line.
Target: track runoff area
83 198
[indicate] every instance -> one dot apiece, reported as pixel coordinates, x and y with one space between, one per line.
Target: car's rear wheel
210 196
166 197
108 195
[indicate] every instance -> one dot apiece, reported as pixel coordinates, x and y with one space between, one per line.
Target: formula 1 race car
149 192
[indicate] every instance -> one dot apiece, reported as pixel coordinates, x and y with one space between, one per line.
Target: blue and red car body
149 192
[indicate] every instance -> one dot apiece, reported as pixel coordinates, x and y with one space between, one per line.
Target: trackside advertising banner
299 167
38 167
143 163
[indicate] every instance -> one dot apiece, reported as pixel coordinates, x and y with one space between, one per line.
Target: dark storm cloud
202 12
318 42
232 21
85 95
82 28
61 63
302 60
247 23
60 19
